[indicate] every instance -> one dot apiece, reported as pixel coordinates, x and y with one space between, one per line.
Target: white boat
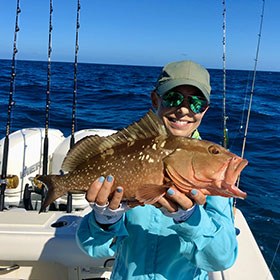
42 246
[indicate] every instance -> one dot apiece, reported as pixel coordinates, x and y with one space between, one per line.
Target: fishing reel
36 188
11 181
7 182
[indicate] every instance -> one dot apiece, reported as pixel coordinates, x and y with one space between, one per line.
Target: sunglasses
174 99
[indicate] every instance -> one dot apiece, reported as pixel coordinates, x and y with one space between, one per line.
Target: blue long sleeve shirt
150 245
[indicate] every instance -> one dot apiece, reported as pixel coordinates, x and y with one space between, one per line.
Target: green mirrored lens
197 104
175 99
172 99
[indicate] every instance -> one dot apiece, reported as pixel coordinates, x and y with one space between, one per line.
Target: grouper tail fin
51 182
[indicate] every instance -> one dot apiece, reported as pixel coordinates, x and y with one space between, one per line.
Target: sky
146 32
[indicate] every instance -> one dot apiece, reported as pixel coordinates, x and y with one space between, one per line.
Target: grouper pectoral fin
151 193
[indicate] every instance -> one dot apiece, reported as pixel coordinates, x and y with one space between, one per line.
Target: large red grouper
146 161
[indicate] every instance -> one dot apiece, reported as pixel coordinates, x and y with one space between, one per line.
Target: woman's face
181 120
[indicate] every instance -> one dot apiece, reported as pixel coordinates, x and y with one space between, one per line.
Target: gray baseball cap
184 72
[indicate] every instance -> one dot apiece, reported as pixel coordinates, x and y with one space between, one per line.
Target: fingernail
170 191
110 178
194 192
101 179
119 190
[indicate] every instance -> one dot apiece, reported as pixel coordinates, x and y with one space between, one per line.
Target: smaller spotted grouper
145 160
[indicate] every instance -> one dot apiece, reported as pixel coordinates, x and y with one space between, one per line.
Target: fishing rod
251 98
72 139
10 106
252 87
225 117
46 139
249 112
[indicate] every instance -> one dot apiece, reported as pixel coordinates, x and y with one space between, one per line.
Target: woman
180 237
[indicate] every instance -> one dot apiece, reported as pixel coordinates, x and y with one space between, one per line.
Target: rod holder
69 203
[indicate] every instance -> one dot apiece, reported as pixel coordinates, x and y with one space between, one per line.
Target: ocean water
114 96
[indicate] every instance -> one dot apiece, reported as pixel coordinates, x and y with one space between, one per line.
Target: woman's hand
174 197
178 206
100 190
107 211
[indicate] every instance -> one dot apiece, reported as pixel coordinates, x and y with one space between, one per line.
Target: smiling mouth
178 122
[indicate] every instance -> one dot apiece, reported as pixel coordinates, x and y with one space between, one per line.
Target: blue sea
114 96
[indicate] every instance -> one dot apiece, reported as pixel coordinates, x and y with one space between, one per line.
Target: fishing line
273 259
244 104
10 106
243 112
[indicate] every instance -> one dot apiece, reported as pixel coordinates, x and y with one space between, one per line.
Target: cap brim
168 85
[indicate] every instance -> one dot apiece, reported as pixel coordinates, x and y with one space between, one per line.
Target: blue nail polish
110 178
194 192
101 179
170 191
119 190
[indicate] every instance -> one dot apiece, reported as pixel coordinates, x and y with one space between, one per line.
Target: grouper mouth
236 165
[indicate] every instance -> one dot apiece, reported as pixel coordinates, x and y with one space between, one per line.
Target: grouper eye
213 150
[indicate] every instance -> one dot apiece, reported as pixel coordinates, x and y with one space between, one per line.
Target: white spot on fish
154 147
162 144
130 143
110 152
150 160
147 156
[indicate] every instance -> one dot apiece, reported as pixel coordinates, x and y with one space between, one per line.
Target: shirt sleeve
208 236
97 242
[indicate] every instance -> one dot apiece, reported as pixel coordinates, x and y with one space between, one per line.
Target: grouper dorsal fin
147 127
